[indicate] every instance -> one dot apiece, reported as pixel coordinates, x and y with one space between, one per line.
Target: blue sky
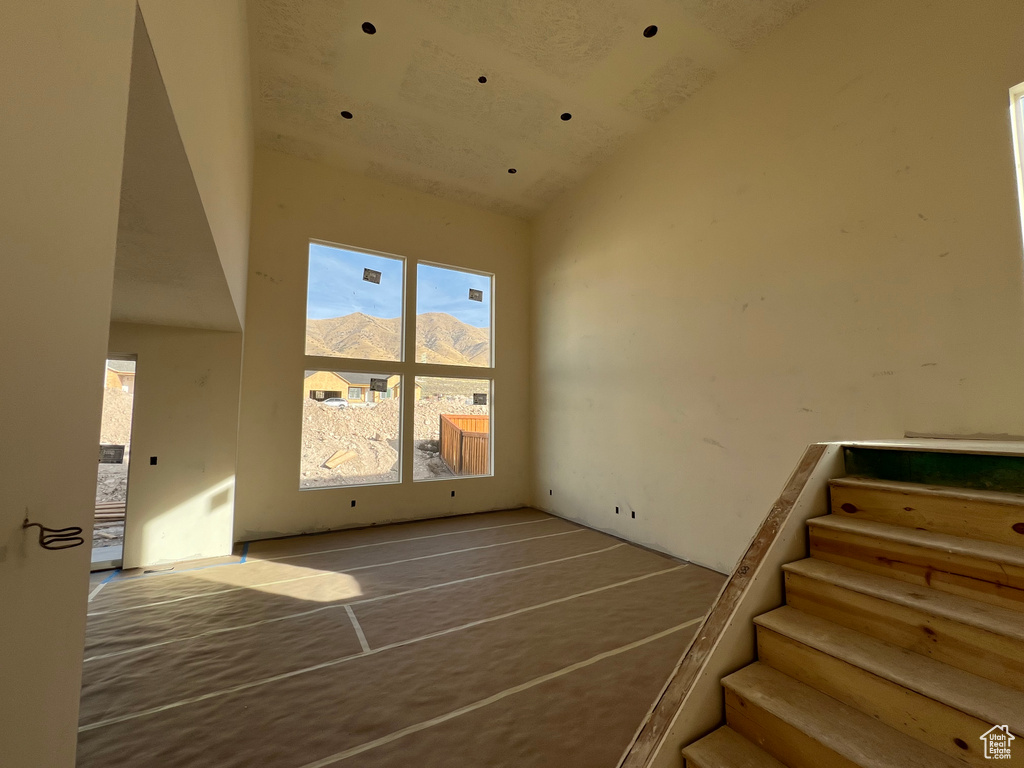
336 285
336 288
446 290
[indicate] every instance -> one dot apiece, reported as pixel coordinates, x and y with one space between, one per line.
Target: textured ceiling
422 119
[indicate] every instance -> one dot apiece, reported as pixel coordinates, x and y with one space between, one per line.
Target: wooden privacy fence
465 444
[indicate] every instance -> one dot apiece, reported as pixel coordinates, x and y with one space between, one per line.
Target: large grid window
359 314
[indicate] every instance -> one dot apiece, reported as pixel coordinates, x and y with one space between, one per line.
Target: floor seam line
391 646
404 541
330 573
359 630
102 584
481 703
245 548
365 601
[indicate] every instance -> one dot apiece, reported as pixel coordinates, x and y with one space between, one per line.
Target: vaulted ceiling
421 117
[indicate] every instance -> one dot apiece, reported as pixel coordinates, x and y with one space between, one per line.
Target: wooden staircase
901 641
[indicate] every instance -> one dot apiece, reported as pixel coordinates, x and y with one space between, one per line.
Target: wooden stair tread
986 550
842 729
963 494
986 515
991 618
724 748
974 695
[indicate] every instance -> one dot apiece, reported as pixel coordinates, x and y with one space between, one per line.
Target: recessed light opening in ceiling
369 29
566 116
346 114
481 79
651 31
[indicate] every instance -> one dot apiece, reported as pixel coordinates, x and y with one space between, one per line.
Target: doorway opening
114 456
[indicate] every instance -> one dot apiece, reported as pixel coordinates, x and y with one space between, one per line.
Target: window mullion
356 365
409 366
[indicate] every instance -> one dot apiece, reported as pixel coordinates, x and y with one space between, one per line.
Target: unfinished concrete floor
501 639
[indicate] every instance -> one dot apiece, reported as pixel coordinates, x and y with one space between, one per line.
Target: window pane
453 428
453 317
353 304
350 425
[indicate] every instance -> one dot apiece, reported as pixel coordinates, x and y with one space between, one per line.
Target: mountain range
440 338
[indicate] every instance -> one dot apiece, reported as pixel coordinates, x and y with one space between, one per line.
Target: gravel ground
372 433
112 482
111 485
116 429
108 535
112 479
117 417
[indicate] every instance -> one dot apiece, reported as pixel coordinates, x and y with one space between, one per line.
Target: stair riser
931 722
689 762
983 580
778 738
983 653
724 748
972 519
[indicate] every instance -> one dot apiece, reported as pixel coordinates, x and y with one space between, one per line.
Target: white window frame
407 367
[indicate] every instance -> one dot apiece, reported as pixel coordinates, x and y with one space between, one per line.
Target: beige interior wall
64 92
296 200
185 414
202 48
167 269
702 709
823 244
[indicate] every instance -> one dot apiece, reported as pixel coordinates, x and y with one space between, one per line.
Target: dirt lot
371 432
112 482
112 479
116 429
108 535
117 417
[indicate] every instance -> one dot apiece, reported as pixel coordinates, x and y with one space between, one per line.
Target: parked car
335 402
